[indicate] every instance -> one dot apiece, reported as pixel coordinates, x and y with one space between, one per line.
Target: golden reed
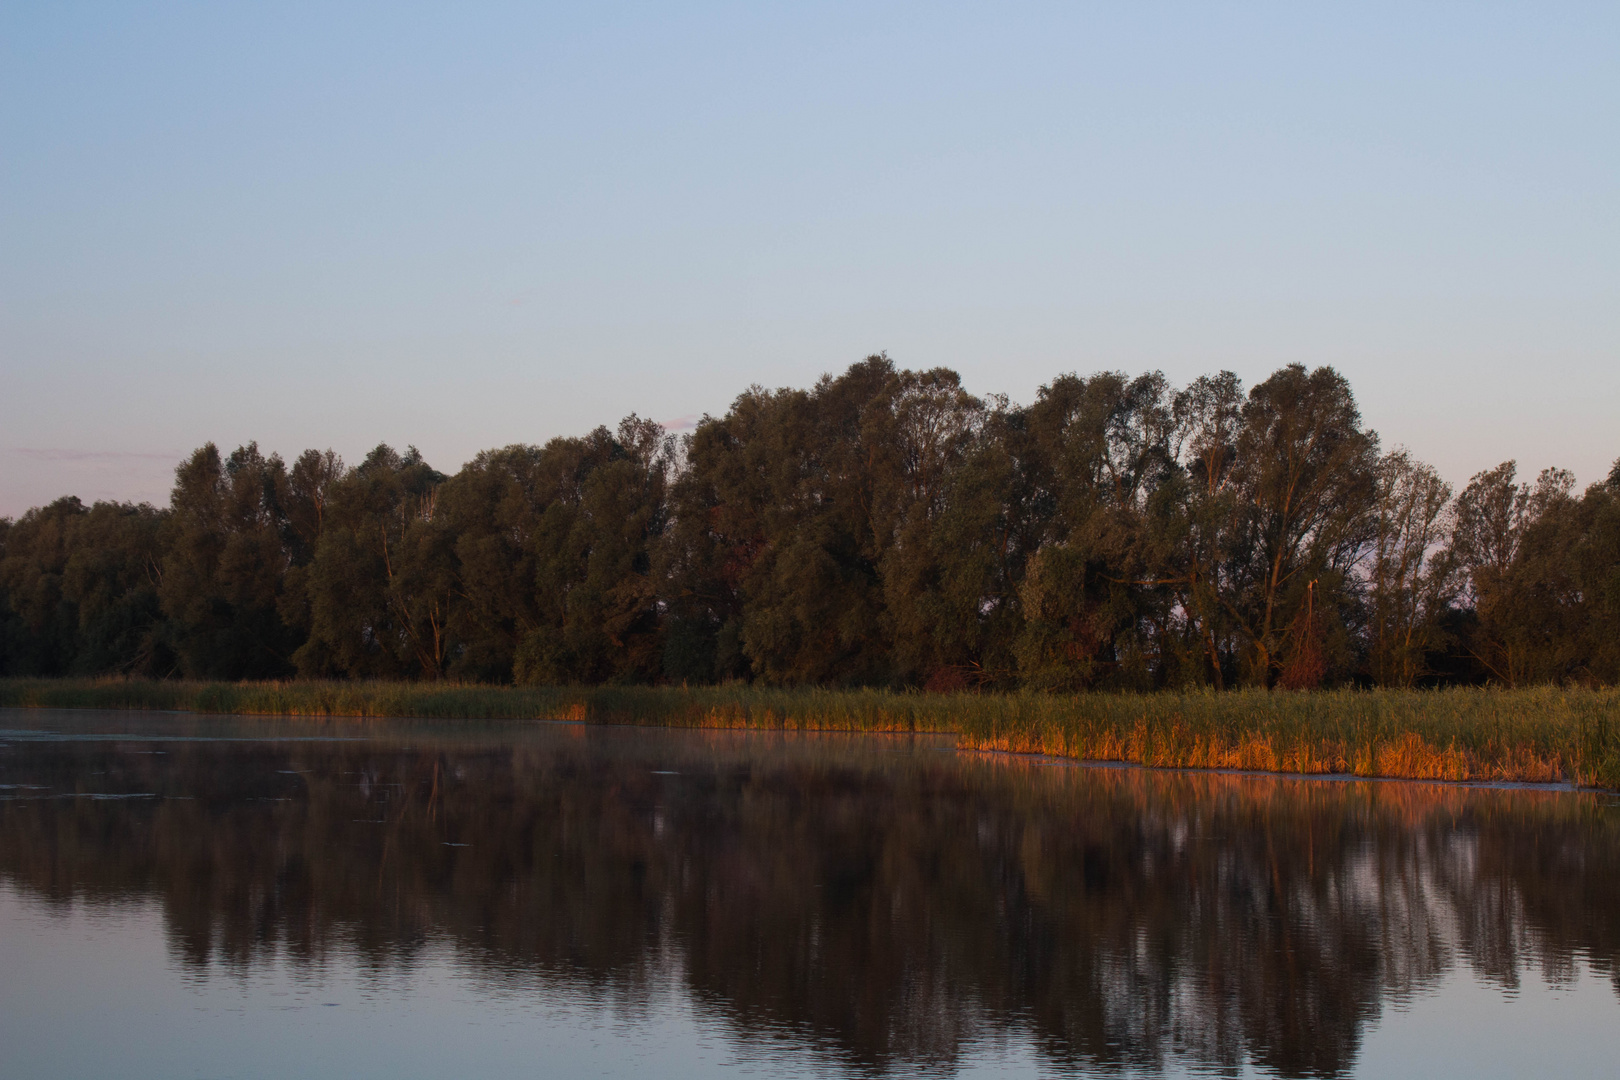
1538 734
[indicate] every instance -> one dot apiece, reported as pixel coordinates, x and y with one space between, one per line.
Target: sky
463 226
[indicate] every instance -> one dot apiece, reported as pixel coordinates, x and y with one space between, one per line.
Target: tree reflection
890 905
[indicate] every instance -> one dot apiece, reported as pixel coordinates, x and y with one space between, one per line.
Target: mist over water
208 896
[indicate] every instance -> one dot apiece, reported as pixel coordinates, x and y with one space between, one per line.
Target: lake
210 896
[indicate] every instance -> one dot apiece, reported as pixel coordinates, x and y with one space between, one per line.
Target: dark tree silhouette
884 527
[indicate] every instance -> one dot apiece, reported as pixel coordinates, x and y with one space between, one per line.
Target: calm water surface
194 896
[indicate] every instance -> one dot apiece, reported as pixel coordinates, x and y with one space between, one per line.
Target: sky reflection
420 899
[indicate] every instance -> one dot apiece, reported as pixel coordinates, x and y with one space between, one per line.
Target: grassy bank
1539 734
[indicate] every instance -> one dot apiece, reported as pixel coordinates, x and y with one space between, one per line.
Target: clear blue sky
466 225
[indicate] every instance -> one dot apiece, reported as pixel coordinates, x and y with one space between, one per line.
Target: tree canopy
883 527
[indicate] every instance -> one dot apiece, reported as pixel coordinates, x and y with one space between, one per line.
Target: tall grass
1538 734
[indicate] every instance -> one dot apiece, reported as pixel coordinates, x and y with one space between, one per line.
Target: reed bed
1539 734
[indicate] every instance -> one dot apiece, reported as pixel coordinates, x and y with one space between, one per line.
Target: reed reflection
884 898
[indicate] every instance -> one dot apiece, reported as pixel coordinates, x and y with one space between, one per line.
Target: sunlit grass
1538 734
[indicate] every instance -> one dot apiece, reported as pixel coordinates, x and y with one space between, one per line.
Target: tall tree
112 576
310 486
1597 568
1092 595
38 625
779 510
492 510
1515 543
78 591
597 617
1412 579
1305 480
1200 515
379 587
224 565
940 524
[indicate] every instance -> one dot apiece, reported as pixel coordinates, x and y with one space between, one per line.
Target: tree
882 527
1305 482
940 523
40 634
224 564
596 594
777 535
112 577
1597 571
491 510
1515 544
78 591
310 486
380 588
1093 594
1412 579
1200 525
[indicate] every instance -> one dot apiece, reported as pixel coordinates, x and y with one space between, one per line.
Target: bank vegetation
1535 735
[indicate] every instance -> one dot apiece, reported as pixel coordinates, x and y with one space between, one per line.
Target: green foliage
379 589
79 590
883 528
224 565
1539 565
1412 579
1090 596
596 595
1305 474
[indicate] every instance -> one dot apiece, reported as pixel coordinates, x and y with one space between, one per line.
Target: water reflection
885 899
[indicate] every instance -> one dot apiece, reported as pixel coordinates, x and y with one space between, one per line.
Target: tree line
884 527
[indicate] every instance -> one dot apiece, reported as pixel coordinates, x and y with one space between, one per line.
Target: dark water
208 896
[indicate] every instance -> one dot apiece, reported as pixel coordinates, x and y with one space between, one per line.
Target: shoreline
1558 787
1535 736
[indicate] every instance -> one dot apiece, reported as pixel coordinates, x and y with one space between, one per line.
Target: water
191 896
